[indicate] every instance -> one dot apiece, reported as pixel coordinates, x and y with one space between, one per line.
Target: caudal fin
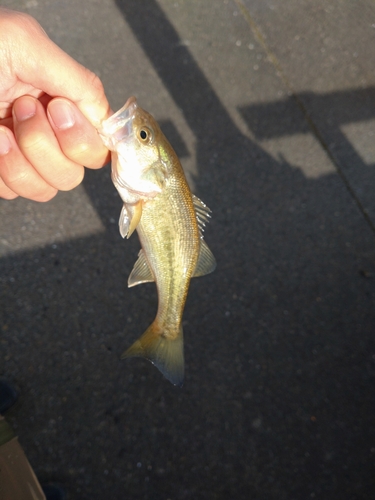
165 353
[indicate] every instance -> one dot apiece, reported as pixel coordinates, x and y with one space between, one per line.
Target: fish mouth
119 126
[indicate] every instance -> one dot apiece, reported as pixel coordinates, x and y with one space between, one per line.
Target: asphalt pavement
270 105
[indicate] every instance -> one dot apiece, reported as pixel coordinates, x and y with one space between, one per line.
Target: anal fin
141 272
206 261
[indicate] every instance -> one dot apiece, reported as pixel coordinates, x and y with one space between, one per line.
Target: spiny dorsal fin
202 212
141 272
206 261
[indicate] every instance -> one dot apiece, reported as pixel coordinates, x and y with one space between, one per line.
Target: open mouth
118 126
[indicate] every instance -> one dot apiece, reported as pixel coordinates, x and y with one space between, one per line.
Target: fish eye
145 134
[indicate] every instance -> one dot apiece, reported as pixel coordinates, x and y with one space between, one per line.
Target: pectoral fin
137 214
141 272
124 222
129 218
206 261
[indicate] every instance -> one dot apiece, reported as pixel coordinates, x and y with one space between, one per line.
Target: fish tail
166 353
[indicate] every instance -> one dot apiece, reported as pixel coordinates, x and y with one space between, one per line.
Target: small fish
169 220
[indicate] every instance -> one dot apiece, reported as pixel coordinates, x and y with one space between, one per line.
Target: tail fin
165 353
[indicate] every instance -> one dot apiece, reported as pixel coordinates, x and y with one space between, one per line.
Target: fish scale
169 220
171 260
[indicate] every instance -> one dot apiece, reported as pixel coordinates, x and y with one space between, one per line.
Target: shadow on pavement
331 113
280 355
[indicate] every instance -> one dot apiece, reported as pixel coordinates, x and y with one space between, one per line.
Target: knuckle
68 171
23 28
7 194
20 182
79 152
45 195
96 82
66 176
81 148
15 177
19 23
33 144
72 180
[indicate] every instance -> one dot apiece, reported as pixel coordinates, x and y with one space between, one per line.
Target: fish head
136 141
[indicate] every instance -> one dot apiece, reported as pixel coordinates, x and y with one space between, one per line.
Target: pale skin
50 106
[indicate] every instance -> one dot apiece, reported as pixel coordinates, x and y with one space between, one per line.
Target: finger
5 192
18 177
40 147
7 122
78 139
50 69
5 146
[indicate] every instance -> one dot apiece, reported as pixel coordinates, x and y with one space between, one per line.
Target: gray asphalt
271 107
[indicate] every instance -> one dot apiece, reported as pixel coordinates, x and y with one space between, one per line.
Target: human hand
50 107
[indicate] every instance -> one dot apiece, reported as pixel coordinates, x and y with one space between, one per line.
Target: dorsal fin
202 212
141 272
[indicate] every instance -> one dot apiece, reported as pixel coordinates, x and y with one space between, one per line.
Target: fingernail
24 108
5 144
61 114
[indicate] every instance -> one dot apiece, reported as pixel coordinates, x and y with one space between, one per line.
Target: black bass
169 220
